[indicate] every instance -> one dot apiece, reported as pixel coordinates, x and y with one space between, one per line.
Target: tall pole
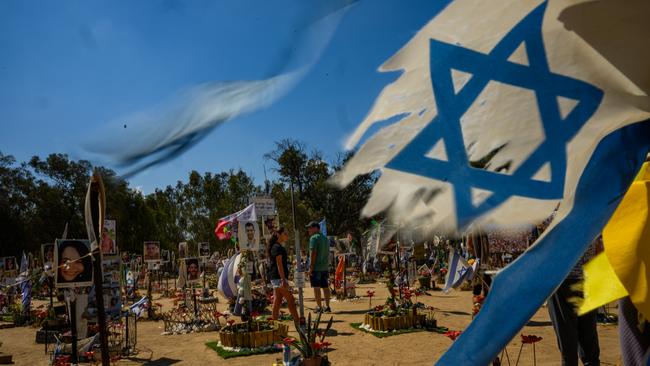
297 245
73 324
94 215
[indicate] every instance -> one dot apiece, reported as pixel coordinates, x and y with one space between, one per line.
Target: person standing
319 265
278 274
577 336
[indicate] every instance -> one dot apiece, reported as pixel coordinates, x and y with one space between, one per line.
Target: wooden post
95 204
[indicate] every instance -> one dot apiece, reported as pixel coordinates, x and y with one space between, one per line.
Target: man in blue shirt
319 265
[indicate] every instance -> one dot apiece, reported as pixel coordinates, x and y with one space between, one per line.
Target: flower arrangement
370 295
530 339
253 333
453 334
312 343
398 312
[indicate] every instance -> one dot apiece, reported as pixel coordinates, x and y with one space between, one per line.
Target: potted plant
312 345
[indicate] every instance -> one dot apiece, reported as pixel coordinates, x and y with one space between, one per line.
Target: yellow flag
627 253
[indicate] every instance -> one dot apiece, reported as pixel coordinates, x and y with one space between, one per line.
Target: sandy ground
350 347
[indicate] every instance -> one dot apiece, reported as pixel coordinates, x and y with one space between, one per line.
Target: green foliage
314 195
312 336
245 352
440 330
38 198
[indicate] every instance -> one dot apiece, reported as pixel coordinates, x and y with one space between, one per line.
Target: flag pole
297 249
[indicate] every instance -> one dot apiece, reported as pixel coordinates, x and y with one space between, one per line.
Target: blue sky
69 67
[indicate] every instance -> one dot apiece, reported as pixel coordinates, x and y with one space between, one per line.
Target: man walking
319 265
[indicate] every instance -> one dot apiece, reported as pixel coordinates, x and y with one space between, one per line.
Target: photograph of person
75 267
138 260
10 264
108 242
164 254
151 251
204 249
182 250
193 269
271 224
248 235
47 253
126 259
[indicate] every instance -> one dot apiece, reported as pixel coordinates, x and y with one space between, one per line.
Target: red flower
370 293
326 344
379 308
254 314
530 339
289 341
217 314
453 334
317 346
231 322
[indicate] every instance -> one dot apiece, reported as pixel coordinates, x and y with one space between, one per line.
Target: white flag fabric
498 108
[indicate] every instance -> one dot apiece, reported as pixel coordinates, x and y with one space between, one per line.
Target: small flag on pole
25 285
459 271
323 226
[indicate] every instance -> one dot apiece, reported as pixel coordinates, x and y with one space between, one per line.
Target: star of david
462 271
451 105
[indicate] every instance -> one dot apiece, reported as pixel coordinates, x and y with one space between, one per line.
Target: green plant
312 339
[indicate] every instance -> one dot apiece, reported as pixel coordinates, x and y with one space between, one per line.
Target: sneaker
318 309
328 310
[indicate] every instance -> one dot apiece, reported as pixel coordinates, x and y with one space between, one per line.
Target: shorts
319 279
276 283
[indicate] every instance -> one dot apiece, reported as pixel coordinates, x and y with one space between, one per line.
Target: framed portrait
204 249
126 258
193 270
248 235
47 254
164 255
10 264
109 238
74 263
182 250
151 251
270 225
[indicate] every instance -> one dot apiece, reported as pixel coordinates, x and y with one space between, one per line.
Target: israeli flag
138 307
458 271
323 226
503 109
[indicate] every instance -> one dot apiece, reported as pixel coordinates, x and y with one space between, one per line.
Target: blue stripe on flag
518 291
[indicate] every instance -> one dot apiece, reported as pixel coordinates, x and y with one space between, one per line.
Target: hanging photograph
109 238
10 266
164 254
126 258
271 224
74 263
204 249
182 250
47 253
151 251
193 269
248 235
